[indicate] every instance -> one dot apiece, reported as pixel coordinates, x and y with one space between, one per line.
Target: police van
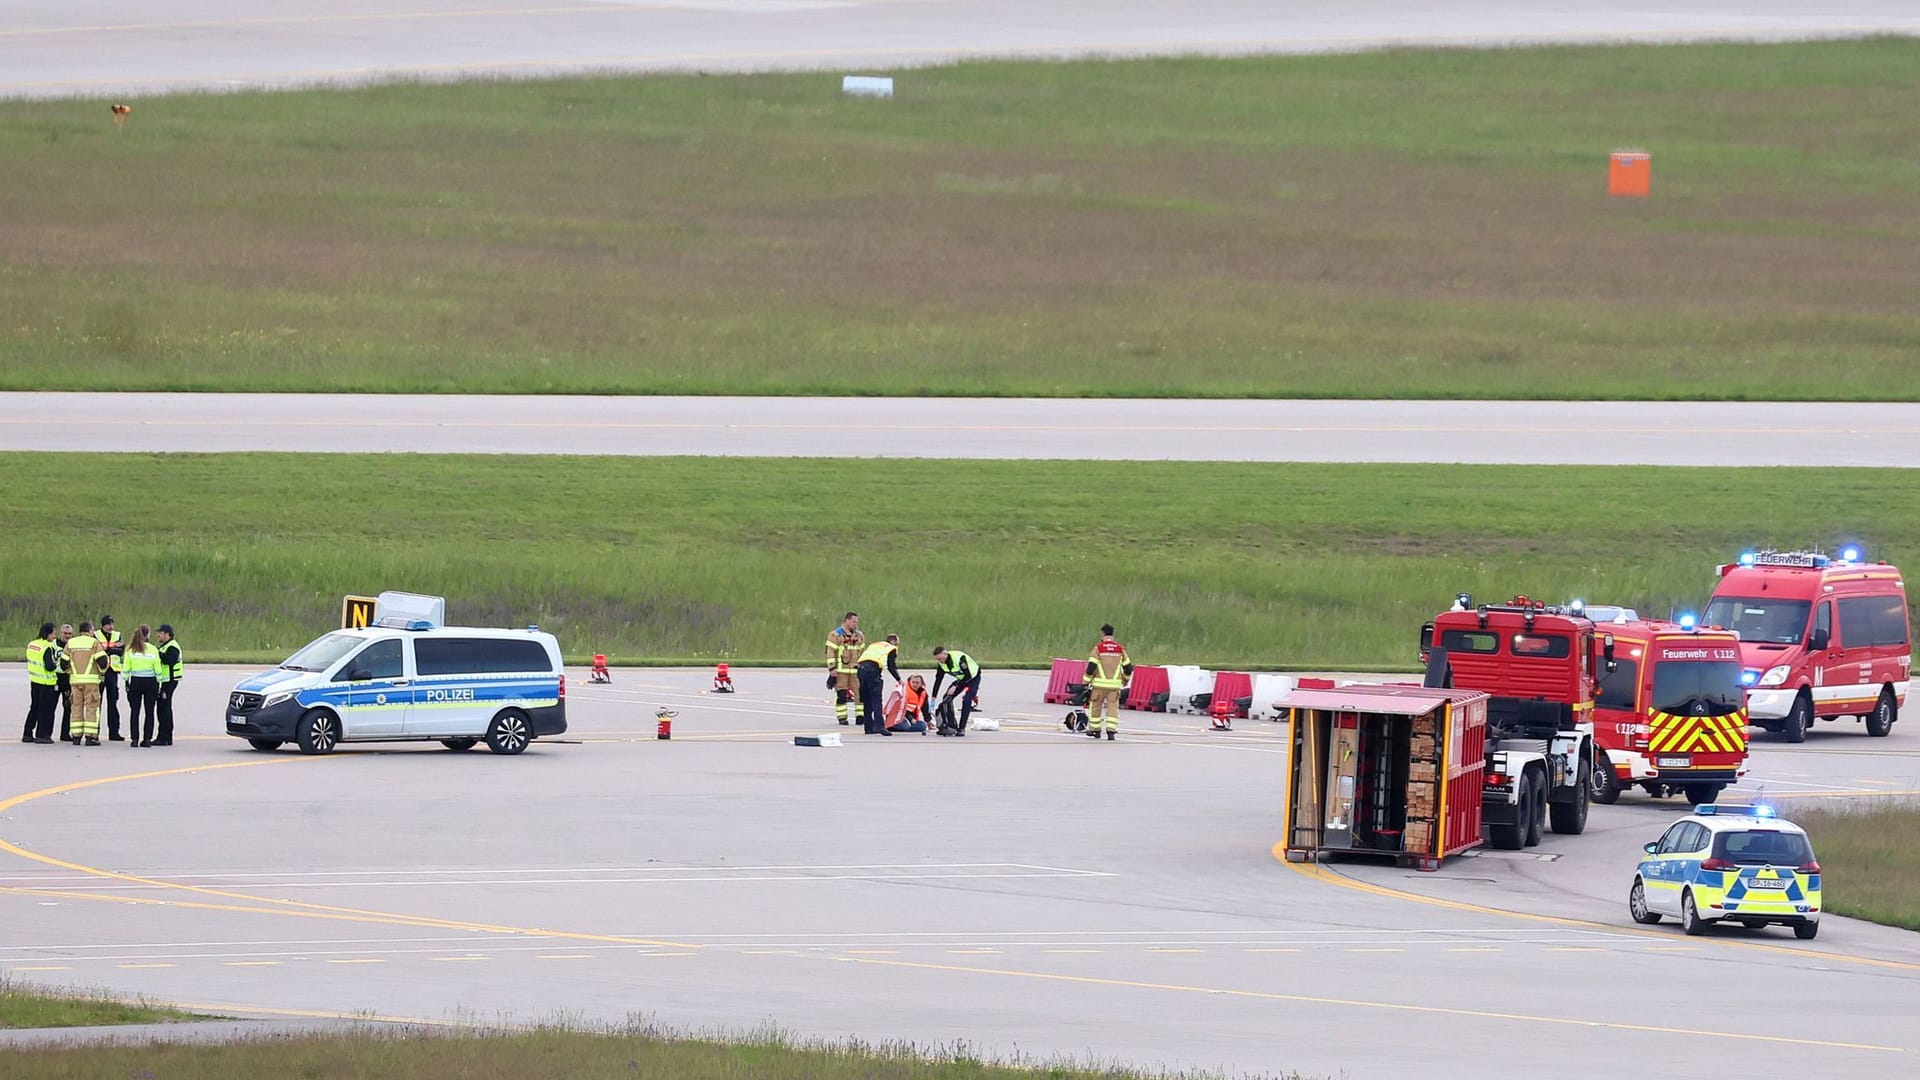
407 678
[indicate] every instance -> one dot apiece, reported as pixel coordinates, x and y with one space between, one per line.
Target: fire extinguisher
663 723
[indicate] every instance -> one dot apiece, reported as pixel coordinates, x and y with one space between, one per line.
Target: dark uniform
873 711
43 677
170 672
966 685
110 680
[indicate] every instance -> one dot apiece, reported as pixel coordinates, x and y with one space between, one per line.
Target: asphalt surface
130 47
1024 891
1624 433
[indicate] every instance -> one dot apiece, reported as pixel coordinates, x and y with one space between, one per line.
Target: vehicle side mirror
1818 639
1651 848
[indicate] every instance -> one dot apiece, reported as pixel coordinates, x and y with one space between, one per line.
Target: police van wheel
266 746
318 733
1690 921
1880 720
459 744
1799 719
1637 905
508 734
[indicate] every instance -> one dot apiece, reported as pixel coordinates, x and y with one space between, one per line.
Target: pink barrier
1064 672
1229 687
1314 684
1146 682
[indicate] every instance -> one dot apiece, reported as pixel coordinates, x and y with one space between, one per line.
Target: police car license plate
236 720
1673 762
1766 883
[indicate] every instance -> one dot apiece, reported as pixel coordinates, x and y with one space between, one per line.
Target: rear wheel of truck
1512 837
1885 712
1799 719
1536 807
1604 781
1570 818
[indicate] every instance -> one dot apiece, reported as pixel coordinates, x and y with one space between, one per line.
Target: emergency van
1669 711
1820 638
407 678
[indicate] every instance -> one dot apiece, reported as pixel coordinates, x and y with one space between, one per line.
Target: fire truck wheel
1799 719
1885 712
1702 794
1606 783
1536 804
1570 818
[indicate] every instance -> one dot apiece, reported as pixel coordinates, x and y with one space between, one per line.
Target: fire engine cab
1669 712
1820 638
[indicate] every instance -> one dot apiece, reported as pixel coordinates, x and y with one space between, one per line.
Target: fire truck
1538 665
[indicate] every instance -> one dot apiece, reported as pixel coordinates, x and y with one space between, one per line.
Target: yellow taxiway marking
1319 873
44 967
1382 1006
274 905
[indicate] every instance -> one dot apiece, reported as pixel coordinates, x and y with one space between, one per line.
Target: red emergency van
1820 638
1668 713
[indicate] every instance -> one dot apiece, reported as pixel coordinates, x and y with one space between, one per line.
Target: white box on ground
867 86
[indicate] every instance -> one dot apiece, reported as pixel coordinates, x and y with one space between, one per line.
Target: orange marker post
1630 174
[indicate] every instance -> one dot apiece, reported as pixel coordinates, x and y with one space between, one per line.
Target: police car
1738 864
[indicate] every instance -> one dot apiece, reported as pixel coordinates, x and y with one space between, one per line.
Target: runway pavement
1023 890
1542 433
128 47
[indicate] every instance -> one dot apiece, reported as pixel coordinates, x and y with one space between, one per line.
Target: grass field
644 558
23 1006
1869 859
536 1055
1410 223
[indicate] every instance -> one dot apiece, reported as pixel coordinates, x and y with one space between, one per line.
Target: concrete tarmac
1025 891
1478 432
131 47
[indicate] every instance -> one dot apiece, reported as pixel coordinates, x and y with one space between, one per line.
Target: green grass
1416 223
23 1006
545 1054
1869 859
643 558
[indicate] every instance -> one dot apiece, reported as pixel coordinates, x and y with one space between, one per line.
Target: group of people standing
78 672
857 671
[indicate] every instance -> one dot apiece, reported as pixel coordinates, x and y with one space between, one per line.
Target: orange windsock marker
1630 174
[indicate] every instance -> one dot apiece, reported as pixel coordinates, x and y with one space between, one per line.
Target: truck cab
1821 638
1669 712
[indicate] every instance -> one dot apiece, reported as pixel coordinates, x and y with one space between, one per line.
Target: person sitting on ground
913 707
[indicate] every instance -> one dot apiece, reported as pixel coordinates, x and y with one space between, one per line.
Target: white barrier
1183 683
1268 689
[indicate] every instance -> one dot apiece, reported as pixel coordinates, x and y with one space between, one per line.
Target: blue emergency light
1577 606
1748 558
1689 621
1749 677
1850 554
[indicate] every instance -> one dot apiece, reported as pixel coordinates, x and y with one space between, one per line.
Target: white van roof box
409 611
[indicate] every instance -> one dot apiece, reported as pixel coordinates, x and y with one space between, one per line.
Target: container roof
1394 699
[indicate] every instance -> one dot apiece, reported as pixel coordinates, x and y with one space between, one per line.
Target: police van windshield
1771 622
1697 687
1763 847
323 653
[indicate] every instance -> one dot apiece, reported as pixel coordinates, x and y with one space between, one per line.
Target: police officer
170 671
43 686
1107 671
85 656
966 683
844 645
110 678
63 682
873 711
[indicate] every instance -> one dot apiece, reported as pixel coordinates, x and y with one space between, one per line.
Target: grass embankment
23 1006
535 1055
1869 859
1264 565
1408 223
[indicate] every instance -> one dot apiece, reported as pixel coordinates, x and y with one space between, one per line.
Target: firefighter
170 671
1108 669
43 685
85 658
966 685
885 653
844 644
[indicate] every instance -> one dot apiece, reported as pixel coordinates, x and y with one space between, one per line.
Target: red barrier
1314 684
1230 687
1064 672
1146 682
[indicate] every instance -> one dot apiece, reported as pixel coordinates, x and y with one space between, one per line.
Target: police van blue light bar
1729 810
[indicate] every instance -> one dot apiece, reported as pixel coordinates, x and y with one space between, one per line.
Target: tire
1691 923
459 744
1702 794
1799 719
1885 712
266 746
1806 931
1512 837
1637 905
1570 818
1536 809
1603 781
318 732
509 732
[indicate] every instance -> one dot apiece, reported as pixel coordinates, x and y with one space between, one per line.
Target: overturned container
1391 771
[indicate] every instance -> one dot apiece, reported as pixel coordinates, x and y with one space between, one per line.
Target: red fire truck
1662 701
